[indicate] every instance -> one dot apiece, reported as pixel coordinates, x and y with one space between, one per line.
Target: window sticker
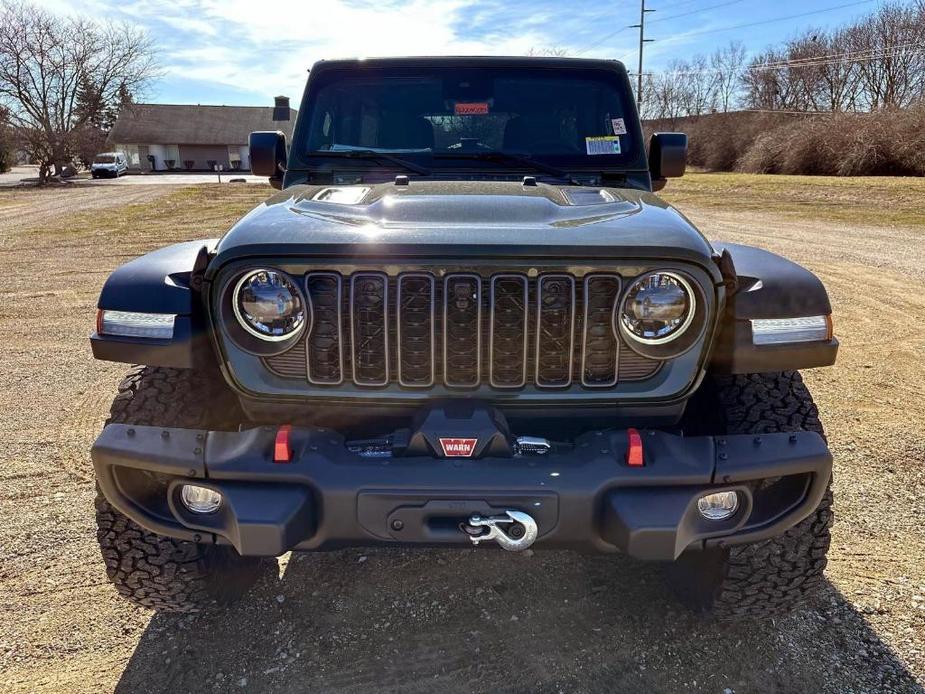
479 108
608 144
619 127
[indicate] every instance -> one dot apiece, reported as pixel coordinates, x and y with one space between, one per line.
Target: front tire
151 570
774 576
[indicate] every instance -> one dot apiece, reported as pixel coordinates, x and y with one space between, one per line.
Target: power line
601 40
737 26
778 19
697 11
682 4
869 55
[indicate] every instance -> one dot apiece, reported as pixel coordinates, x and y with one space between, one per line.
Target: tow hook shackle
519 530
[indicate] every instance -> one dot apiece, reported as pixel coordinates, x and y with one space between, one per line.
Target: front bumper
584 497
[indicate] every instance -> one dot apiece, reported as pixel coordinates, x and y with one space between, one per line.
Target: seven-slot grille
462 330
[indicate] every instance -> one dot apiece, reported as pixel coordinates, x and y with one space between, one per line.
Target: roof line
200 105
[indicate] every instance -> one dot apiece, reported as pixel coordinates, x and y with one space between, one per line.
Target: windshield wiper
372 154
496 155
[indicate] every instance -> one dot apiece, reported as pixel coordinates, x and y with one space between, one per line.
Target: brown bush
881 143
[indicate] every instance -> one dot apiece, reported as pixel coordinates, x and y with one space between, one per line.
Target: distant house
174 136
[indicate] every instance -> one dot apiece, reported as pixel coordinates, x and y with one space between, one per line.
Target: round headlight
268 305
657 308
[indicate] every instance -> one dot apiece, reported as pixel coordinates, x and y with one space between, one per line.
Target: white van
109 164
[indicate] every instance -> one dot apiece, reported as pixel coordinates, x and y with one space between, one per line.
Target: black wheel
773 576
160 572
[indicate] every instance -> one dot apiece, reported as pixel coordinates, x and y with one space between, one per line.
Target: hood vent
350 195
581 197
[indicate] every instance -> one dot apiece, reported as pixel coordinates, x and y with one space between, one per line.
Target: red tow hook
634 449
282 451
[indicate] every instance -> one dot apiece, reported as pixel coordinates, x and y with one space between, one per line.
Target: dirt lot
472 620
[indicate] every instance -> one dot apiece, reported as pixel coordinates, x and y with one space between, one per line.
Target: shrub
881 143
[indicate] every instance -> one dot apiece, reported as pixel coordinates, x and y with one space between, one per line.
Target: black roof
472 61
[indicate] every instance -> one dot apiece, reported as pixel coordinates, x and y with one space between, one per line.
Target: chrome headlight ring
269 315
675 331
685 331
296 298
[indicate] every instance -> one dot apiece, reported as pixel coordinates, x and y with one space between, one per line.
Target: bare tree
769 83
57 76
665 94
7 142
698 90
895 34
727 64
548 52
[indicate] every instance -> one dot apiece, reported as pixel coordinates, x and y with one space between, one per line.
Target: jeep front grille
415 324
325 343
464 330
507 342
369 328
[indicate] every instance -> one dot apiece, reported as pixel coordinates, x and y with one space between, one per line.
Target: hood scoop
347 195
580 197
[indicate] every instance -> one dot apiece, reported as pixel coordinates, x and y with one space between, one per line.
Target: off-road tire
774 576
152 570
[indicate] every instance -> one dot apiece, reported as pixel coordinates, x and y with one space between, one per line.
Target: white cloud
250 47
271 51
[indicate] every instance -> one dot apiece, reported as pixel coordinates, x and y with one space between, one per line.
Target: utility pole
642 42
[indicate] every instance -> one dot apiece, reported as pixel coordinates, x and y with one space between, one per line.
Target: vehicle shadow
476 620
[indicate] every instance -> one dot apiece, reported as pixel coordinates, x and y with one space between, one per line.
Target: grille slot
369 331
555 330
600 350
462 330
504 330
634 367
289 364
416 297
325 344
507 342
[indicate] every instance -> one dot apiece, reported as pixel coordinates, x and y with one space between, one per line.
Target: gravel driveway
433 620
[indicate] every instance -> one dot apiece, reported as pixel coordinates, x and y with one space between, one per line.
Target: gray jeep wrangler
465 320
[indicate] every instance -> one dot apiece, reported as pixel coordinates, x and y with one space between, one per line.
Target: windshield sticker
479 108
619 127
609 144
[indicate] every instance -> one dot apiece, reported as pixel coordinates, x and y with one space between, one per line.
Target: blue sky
246 51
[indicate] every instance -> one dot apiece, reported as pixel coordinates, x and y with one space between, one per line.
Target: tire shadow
476 620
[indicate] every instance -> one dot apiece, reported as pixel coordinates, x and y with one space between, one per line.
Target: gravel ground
20 175
420 621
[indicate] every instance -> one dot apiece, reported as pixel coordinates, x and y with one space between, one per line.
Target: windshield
575 118
105 159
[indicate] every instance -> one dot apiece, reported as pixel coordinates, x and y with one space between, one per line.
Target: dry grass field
422 621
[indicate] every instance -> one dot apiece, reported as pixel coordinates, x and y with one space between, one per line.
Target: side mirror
667 157
268 155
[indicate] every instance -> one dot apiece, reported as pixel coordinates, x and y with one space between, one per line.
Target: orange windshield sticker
479 108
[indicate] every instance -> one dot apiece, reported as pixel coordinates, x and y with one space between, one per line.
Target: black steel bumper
583 497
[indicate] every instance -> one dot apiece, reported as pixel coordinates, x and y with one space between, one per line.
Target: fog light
718 506
200 499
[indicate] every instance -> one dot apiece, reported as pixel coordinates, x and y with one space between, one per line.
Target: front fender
769 286
165 281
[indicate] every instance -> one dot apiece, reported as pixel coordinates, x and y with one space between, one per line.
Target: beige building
163 137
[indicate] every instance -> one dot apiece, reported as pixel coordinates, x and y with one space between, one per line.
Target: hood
465 218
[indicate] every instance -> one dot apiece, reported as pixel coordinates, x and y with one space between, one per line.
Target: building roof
187 124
